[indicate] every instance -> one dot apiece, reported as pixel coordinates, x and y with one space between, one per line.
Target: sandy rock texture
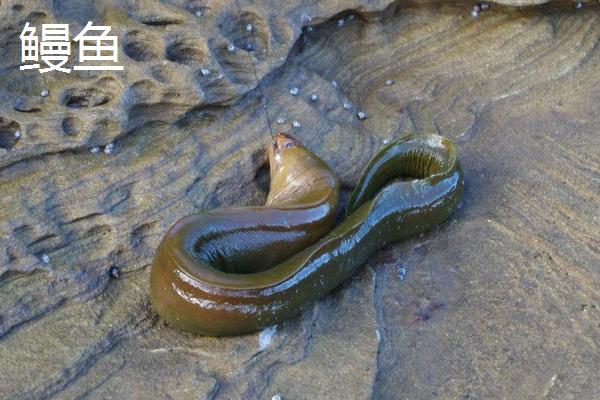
503 301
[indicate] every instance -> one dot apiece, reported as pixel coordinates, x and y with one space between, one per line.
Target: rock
500 302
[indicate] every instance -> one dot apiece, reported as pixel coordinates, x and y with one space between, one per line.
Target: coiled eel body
237 270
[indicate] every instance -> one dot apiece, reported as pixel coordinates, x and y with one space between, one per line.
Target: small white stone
309 29
314 98
94 149
401 273
305 17
334 83
266 337
362 115
484 6
295 124
249 28
199 13
350 17
294 91
347 105
108 149
340 22
205 71
231 47
276 397
45 93
474 13
281 120
579 4
389 82
386 141
18 134
45 258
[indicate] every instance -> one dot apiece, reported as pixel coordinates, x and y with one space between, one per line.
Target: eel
236 270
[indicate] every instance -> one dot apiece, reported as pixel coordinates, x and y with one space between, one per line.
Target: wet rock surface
503 301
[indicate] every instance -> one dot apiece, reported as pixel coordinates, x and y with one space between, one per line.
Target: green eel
236 270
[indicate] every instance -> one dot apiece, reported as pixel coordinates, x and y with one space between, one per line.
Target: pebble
18 134
205 71
108 149
198 13
401 272
340 22
114 272
231 47
347 105
294 91
281 120
314 98
334 83
362 115
265 338
475 12
45 258
94 149
276 397
389 82
579 4
295 124
45 93
249 28
484 6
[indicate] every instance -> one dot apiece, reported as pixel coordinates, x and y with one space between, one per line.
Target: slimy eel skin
236 270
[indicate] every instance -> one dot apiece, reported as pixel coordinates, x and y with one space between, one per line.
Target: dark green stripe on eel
236 270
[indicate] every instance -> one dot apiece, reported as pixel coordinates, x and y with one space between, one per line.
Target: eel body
236 270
